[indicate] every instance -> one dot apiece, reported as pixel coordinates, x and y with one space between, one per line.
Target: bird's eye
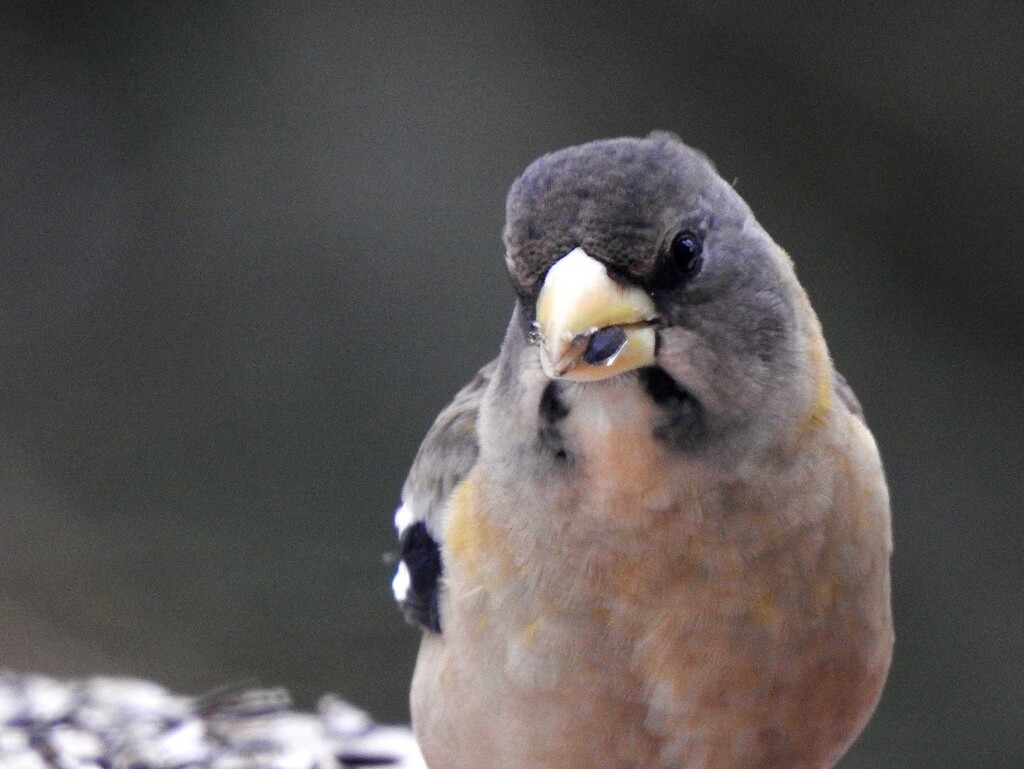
686 249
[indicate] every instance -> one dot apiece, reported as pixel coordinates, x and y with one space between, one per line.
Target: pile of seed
125 723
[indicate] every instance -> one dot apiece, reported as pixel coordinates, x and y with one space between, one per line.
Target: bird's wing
445 457
847 396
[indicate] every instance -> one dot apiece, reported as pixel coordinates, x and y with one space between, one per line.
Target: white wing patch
400 584
404 518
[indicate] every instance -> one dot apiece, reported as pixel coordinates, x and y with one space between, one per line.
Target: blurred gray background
248 254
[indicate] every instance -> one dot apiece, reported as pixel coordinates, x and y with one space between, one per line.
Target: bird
655 530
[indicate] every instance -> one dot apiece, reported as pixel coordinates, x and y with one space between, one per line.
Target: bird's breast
697 617
622 472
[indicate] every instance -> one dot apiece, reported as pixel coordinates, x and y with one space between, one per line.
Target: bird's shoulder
445 457
847 395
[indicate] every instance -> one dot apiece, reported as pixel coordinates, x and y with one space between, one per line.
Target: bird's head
633 255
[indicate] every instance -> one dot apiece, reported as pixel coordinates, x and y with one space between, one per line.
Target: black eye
685 250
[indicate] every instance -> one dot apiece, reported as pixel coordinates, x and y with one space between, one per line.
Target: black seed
604 343
359 759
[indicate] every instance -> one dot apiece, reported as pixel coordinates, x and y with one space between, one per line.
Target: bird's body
682 563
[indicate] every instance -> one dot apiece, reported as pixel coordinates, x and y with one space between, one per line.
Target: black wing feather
445 457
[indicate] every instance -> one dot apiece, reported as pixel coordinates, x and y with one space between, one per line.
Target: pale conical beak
591 327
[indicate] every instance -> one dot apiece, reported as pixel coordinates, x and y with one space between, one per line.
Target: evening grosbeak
654 532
